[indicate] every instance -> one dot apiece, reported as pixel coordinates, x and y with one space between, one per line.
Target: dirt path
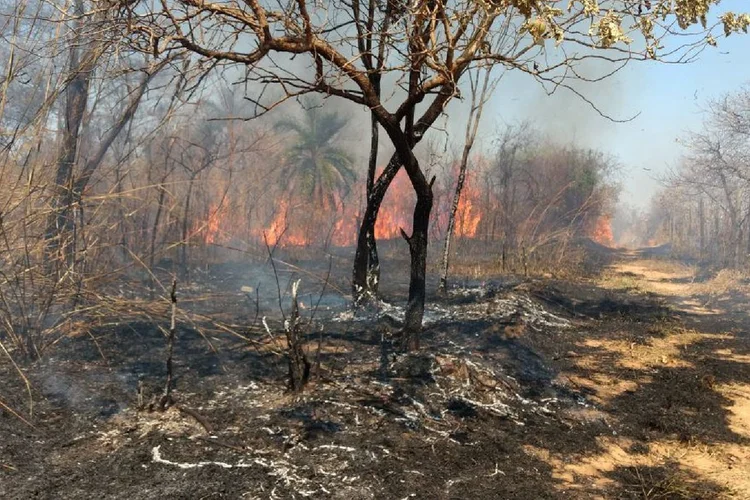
677 386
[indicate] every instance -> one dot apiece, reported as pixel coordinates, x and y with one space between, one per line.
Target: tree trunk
417 284
716 246
361 256
166 399
372 281
702 224
299 366
185 242
443 285
76 100
152 244
472 125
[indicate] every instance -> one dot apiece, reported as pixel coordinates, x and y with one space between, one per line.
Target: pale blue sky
668 97
665 96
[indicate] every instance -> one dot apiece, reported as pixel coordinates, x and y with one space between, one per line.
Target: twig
224 444
197 416
275 273
166 399
16 414
23 377
299 366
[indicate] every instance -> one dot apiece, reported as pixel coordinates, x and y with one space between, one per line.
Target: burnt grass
454 421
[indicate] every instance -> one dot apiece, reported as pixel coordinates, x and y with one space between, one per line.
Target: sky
667 98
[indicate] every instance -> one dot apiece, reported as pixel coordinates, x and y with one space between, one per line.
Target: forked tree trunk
380 187
367 228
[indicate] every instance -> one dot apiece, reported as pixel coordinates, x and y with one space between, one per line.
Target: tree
86 53
478 100
716 167
313 165
427 47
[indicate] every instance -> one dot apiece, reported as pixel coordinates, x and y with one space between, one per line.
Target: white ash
498 308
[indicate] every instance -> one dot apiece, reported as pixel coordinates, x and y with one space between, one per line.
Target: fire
397 209
468 215
337 221
210 230
602 232
279 231
345 229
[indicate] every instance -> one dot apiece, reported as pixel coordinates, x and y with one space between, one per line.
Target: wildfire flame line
301 223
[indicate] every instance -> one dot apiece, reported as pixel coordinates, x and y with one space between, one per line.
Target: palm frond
289 125
312 164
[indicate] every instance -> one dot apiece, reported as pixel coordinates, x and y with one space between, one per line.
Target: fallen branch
197 416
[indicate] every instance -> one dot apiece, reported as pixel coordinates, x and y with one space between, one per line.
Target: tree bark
80 67
299 366
367 227
372 280
417 283
380 187
472 125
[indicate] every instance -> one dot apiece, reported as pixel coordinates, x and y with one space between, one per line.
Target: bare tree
716 167
478 100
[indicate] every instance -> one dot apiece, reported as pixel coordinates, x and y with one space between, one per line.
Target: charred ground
617 386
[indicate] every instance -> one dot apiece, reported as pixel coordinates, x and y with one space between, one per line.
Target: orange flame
210 229
395 212
279 231
299 223
468 215
602 231
303 224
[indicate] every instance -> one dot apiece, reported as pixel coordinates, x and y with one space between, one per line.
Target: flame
397 209
346 228
210 229
297 222
468 215
602 232
279 230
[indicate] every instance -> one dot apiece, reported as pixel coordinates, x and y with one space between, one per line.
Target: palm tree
313 166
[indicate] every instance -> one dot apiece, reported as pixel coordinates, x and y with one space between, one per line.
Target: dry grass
725 284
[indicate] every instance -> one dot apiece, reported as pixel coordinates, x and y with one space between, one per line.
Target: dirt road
678 385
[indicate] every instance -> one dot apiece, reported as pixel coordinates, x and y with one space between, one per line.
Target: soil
634 383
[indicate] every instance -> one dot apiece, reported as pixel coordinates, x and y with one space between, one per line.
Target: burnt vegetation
250 251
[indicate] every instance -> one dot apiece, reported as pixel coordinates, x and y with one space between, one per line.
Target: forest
258 249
